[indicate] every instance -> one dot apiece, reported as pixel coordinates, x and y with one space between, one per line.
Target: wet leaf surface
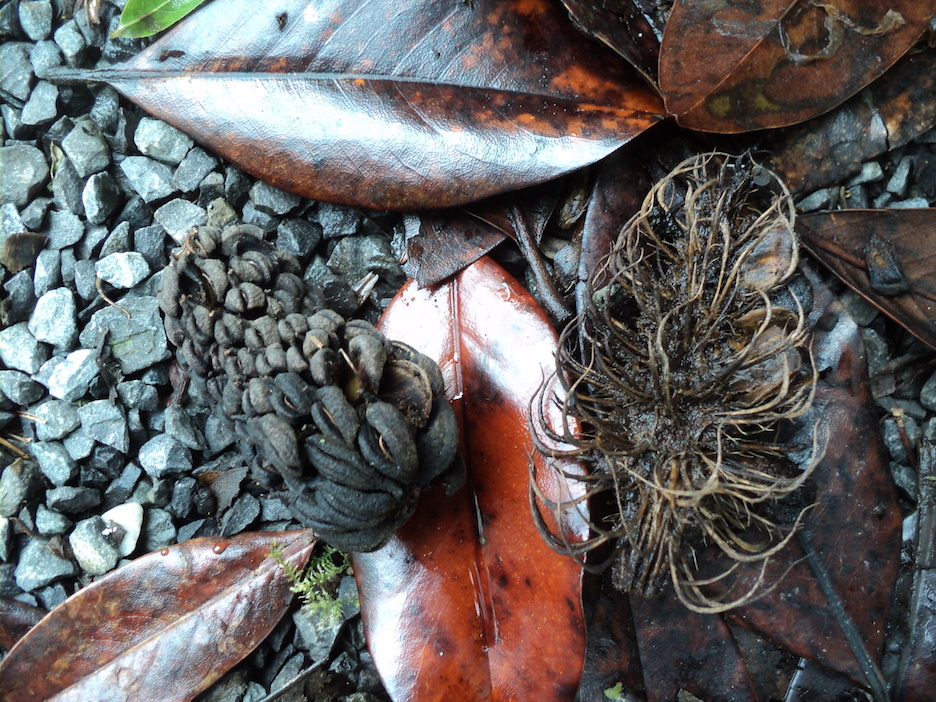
164 627
887 114
16 619
728 67
392 105
467 601
861 246
143 18
842 590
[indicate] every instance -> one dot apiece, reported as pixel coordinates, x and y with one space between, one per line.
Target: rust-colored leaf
730 67
865 247
16 619
391 105
831 599
163 627
467 601
888 113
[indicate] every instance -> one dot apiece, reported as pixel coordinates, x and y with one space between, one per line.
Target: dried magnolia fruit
353 426
685 373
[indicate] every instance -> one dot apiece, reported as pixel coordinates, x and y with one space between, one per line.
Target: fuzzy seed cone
686 373
351 425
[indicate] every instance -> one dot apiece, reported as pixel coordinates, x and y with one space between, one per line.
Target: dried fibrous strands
685 374
350 425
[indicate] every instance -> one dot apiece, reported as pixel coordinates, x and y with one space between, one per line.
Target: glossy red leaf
853 243
730 67
163 627
391 105
467 601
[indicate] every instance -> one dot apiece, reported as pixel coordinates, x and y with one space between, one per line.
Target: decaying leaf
391 106
730 67
163 627
467 601
887 256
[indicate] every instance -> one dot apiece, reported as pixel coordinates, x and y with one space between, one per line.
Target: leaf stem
551 297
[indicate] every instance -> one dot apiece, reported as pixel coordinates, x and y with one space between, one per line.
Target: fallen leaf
164 627
846 240
16 618
143 18
467 601
894 109
391 105
730 67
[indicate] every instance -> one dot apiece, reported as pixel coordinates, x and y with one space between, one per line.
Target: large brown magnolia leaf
467 601
388 104
833 587
164 627
730 67
887 256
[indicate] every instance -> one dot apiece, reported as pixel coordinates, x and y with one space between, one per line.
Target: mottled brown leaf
891 111
16 619
391 105
730 67
163 627
467 601
841 240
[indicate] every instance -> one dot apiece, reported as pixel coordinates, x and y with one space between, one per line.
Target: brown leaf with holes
887 256
731 67
467 601
165 626
391 105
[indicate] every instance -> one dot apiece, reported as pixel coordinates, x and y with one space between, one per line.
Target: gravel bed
86 372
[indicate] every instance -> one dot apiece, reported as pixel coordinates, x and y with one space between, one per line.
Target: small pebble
135 394
178 217
179 425
79 444
47 272
94 552
25 171
54 461
337 221
123 270
45 55
50 522
158 529
193 169
20 388
163 455
56 419
138 342
271 200
71 42
151 179
122 487
86 148
39 565
16 76
106 423
72 500
161 141
41 108
240 515
21 298
35 18
20 481
100 197
53 321
69 377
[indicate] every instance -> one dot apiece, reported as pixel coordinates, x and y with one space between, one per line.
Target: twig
551 297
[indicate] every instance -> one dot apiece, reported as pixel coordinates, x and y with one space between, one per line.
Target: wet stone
72 500
25 171
86 148
272 200
163 455
71 42
179 424
56 419
105 423
20 388
44 56
161 141
892 431
47 271
122 488
35 18
357 256
100 197
20 298
93 551
20 350
137 343
158 529
54 461
39 565
897 184
41 107
182 503
259 218
193 169
241 514
337 221
51 523
298 237
126 522
69 378
178 217
905 478
198 528
123 270
20 481
150 179
53 321
64 229
16 71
